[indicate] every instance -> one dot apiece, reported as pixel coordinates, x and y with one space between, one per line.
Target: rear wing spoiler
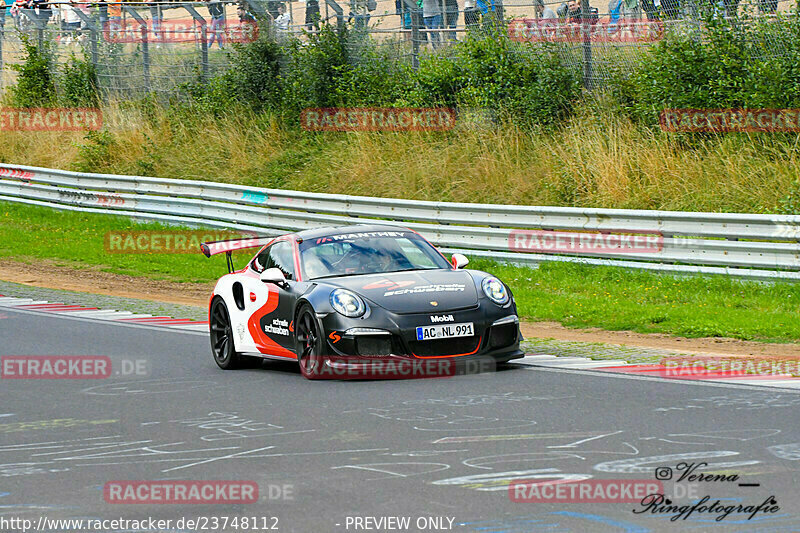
230 245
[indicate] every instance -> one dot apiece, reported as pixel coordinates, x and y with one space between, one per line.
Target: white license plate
445 331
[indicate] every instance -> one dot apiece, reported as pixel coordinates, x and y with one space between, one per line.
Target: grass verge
574 295
597 159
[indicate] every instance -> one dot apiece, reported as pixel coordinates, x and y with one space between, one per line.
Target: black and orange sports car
357 292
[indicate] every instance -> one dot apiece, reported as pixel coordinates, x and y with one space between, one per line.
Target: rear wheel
308 339
222 336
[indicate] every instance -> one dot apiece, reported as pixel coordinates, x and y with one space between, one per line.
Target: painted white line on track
104 315
99 314
692 382
106 322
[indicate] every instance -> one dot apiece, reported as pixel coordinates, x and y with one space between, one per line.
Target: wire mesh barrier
155 47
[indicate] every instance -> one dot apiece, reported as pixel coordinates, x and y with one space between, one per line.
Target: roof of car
338 230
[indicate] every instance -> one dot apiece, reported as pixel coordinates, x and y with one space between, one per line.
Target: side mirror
459 261
273 275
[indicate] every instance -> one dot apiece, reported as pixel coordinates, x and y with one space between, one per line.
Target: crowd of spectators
435 20
72 16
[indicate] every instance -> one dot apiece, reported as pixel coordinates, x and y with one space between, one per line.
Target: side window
280 255
263 260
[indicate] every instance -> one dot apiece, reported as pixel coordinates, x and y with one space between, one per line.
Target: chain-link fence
155 47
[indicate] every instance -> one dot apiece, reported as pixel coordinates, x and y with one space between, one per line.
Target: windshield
367 253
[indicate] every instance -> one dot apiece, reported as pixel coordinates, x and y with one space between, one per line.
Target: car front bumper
382 334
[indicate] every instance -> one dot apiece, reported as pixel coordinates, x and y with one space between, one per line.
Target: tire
221 333
309 342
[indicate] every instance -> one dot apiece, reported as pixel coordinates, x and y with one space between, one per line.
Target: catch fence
157 47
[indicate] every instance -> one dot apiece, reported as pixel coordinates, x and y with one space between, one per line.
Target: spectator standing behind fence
417 22
570 10
16 12
45 12
432 18
544 12
6 7
283 19
70 21
312 14
472 14
245 17
573 11
217 11
614 14
488 6
156 18
115 15
359 12
451 17
400 8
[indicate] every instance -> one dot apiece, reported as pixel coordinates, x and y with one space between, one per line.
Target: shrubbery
35 82
711 63
339 68
720 63
38 80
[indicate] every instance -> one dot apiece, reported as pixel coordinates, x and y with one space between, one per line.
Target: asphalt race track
336 456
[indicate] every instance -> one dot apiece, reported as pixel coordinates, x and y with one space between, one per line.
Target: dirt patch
91 280
43 273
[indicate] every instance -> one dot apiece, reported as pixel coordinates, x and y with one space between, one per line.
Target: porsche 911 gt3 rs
355 292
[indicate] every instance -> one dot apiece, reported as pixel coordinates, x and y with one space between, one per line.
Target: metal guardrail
745 245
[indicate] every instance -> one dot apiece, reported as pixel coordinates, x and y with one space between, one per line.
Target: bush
254 76
528 84
96 153
79 83
720 63
36 83
337 67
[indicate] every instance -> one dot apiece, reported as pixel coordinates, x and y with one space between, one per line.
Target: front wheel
308 339
221 332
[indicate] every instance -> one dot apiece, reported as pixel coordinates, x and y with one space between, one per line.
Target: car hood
419 291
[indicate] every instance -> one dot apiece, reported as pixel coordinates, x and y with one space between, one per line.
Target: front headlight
347 303
495 291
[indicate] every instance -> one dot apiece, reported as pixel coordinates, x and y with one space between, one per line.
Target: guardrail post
145 45
203 35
